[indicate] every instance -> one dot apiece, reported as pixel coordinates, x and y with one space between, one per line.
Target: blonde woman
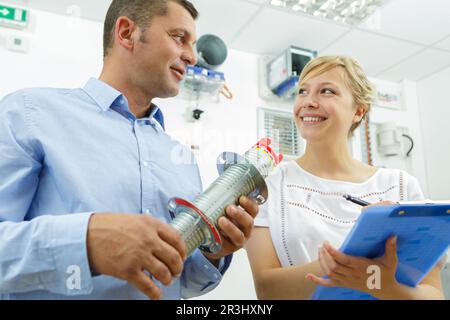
306 218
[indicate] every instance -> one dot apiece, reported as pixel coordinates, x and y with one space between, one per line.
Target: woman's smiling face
324 107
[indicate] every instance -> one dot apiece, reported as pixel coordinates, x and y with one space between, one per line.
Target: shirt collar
102 93
158 116
105 96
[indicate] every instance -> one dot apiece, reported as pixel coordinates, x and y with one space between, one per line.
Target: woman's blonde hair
354 77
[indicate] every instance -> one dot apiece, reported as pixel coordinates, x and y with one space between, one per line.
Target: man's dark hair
141 12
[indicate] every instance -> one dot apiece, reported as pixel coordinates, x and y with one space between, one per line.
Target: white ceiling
410 39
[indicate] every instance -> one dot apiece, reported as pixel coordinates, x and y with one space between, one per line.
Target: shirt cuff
69 248
224 264
210 271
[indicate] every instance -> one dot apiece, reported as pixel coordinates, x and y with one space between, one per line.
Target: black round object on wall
212 51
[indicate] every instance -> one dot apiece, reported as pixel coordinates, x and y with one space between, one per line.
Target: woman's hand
374 276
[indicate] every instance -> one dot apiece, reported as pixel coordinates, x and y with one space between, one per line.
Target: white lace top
304 210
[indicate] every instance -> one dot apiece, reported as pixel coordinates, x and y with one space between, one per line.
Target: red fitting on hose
264 143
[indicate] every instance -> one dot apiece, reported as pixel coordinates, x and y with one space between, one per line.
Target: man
86 174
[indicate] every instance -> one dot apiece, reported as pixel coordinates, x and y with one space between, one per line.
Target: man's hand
129 247
235 228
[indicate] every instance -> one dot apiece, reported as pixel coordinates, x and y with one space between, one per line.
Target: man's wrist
212 258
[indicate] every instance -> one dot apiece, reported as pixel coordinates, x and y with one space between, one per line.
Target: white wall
407 118
435 114
62 53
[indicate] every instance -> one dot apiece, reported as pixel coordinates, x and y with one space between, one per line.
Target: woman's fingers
334 266
343 259
321 281
391 258
323 264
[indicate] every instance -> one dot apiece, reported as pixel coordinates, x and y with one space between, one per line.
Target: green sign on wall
13 17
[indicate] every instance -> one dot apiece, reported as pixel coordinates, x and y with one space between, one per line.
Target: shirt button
146 163
147 211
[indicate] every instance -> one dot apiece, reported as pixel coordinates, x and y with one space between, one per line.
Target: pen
356 200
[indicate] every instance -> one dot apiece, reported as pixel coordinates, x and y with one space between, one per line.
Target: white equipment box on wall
279 76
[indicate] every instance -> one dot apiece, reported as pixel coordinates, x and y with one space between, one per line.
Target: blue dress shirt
65 154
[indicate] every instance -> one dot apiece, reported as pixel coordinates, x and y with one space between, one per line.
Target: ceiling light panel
349 12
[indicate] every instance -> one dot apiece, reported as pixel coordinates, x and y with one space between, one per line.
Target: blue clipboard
423 237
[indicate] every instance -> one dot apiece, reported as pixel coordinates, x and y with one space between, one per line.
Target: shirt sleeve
413 189
47 252
273 198
262 219
200 276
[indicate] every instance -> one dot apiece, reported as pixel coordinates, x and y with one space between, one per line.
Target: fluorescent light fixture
278 3
347 11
